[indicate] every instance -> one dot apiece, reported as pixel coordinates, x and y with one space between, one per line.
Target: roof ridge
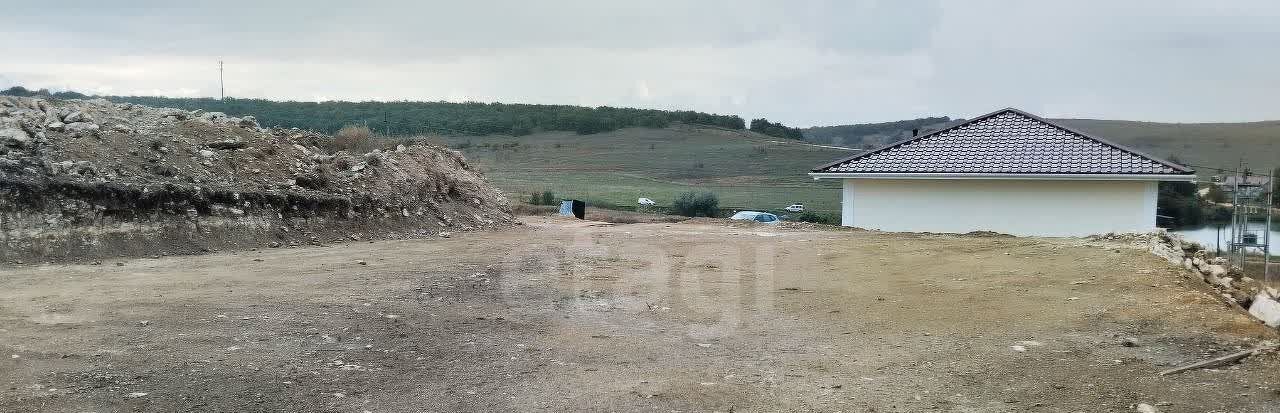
953 125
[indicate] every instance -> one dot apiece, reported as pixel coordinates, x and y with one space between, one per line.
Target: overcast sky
804 63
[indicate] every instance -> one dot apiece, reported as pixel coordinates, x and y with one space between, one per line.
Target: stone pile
1261 301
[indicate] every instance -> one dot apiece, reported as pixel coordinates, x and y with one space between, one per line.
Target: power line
1209 167
222 88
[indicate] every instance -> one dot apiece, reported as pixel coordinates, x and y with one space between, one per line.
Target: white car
646 202
761 217
795 208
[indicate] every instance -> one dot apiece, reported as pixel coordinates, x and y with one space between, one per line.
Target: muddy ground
567 315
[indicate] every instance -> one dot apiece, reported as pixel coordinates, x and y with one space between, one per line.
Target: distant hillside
870 135
1220 145
746 169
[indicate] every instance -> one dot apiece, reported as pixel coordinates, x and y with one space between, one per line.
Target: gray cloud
804 63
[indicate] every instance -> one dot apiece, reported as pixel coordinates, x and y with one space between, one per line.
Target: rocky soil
83 179
569 315
1236 289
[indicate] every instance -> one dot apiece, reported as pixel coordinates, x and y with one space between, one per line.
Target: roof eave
997 176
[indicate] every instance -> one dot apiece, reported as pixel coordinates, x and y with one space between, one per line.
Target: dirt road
564 315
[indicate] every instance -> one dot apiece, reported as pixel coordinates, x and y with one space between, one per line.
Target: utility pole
222 87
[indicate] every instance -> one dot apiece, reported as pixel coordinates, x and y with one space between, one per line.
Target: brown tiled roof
1007 141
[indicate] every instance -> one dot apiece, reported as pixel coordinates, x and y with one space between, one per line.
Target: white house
1007 171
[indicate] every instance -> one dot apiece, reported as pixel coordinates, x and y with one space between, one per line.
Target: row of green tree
409 118
776 130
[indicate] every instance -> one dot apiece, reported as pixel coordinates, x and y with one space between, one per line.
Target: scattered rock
227 144
1267 309
14 137
362 262
82 127
1224 282
1146 408
1129 342
77 116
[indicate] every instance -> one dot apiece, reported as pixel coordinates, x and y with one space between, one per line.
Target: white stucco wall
1019 207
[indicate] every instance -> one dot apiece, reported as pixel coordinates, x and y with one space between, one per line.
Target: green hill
747 170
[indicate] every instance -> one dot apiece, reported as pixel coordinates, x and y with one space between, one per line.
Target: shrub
692 204
535 199
354 139
817 218
1215 194
548 198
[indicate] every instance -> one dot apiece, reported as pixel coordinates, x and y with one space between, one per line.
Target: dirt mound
93 178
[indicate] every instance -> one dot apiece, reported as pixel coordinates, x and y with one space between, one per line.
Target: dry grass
354 139
520 208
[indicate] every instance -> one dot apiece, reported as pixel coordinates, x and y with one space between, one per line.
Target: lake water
1208 235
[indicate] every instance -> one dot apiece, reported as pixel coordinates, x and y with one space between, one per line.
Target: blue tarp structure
573 208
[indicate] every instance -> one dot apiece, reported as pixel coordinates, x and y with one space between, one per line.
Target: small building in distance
1250 185
1007 171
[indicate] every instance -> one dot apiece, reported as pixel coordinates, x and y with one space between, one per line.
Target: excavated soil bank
93 179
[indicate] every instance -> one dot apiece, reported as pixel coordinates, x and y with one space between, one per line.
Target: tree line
776 130
414 117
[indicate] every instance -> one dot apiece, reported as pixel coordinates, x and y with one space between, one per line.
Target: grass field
746 170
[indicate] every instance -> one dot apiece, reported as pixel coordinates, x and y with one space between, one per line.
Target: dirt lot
567 315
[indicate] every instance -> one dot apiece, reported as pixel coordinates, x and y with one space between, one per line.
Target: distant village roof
1252 180
1007 141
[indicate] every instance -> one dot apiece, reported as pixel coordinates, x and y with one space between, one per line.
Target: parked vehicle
646 202
762 217
796 207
